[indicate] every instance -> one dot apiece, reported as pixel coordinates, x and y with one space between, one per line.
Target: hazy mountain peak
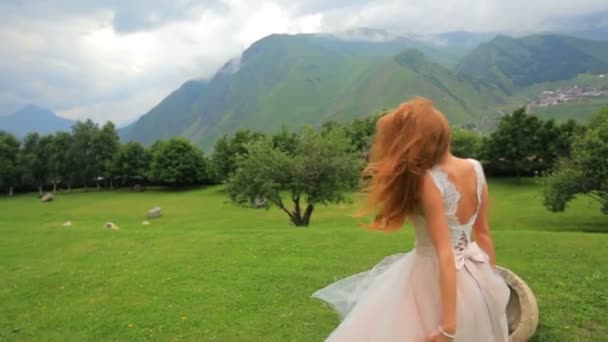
33 118
366 34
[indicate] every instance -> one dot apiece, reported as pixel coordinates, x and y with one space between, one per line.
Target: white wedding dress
399 298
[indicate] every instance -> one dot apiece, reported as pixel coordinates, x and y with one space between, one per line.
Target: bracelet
440 329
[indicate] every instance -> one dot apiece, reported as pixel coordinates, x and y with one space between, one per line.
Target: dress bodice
460 233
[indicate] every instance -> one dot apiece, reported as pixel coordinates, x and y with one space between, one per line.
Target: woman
446 289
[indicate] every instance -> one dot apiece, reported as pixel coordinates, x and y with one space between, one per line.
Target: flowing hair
408 142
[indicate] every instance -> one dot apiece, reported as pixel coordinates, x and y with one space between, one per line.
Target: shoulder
430 187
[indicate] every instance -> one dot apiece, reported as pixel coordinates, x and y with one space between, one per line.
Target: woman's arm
481 229
439 232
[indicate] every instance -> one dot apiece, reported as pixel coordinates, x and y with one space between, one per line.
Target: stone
146 223
67 224
522 308
111 226
154 212
48 197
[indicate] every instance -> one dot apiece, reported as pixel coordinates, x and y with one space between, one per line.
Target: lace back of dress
460 233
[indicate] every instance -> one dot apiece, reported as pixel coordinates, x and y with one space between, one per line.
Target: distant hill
34 119
306 79
511 63
588 26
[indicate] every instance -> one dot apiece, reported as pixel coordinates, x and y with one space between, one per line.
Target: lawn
209 271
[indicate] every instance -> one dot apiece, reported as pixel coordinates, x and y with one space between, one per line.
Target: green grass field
209 271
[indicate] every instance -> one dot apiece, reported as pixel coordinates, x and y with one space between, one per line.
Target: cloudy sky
114 59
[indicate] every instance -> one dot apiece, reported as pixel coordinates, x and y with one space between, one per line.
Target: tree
585 172
178 162
514 146
35 159
466 143
226 150
106 144
61 160
320 170
361 131
9 167
86 163
132 162
285 141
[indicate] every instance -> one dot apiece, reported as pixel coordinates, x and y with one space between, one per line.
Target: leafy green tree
106 144
322 167
585 172
514 146
285 141
61 161
360 131
466 143
330 126
35 160
86 163
177 162
226 150
9 158
132 162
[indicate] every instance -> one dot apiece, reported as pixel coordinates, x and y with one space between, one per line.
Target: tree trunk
111 184
54 186
40 190
307 214
97 180
69 187
10 191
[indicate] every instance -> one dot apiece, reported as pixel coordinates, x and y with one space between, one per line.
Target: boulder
48 197
154 212
522 309
111 226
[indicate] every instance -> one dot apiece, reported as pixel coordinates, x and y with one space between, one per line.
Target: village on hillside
559 96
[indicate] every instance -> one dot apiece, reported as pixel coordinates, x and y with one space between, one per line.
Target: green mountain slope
512 63
285 80
306 79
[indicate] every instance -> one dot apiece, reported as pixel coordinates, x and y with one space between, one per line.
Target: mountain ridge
305 79
32 118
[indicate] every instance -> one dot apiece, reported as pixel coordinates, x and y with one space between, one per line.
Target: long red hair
408 142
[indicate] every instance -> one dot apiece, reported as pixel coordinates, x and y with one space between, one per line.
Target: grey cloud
128 16
42 61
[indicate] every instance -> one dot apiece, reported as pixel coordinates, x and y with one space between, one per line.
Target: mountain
306 79
294 80
34 119
592 26
462 39
512 63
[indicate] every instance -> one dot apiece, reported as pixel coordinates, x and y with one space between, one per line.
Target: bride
446 288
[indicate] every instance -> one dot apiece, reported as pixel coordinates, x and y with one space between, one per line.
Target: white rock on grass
111 226
154 212
67 224
145 223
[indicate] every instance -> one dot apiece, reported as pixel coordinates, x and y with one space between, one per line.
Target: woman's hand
437 336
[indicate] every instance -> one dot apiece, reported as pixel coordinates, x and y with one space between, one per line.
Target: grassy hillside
209 271
296 80
285 80
511 63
